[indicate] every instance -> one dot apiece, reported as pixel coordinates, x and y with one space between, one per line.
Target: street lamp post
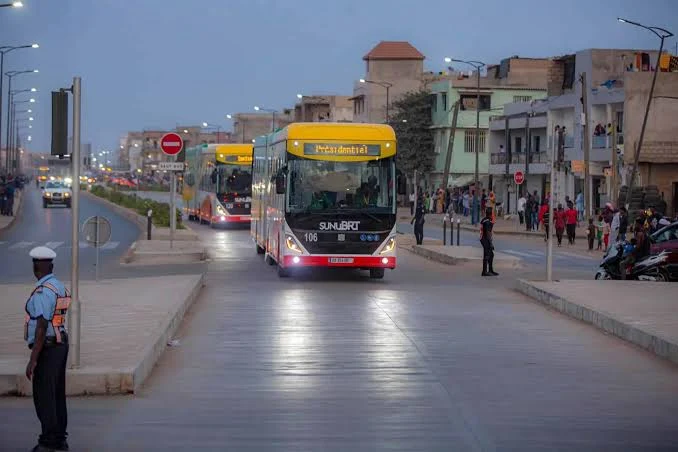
269 110
386 85
10 75
235 120
207 125
3 51
662 34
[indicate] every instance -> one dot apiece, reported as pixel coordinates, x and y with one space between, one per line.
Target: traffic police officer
45 334
486 240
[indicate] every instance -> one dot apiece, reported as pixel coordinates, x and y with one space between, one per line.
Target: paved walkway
5 221
640 312
124 322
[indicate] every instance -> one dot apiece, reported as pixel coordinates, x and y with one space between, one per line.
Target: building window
434 103
537 144
522 98
470 141
519 145
468 102
444 98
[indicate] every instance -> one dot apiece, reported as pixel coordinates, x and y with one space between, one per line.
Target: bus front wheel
283 272
260 250
376 273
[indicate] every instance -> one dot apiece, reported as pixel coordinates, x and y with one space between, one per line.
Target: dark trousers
559 235
571 229
411 208
488 256
521 216
49 395
591 238
419 233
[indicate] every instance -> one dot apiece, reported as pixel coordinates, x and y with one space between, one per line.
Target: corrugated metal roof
394 50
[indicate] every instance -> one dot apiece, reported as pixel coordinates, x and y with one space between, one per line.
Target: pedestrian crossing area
535 254
27 245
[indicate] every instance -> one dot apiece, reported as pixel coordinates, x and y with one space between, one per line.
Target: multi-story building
141 150
327 108
514 80
608 74
392 68
247 126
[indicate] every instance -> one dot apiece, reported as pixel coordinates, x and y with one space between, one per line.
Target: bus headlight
390 245
292 244
220 210
66 195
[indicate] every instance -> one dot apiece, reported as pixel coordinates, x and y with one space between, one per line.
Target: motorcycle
648 268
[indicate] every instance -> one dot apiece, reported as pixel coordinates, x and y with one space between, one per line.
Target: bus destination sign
239 158
349 150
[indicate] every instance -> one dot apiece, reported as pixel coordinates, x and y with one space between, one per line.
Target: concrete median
159 252
454 255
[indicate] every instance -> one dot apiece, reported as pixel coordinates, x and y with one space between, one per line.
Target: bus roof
336 131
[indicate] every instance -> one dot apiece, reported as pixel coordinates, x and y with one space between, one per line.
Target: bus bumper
340 261
227 219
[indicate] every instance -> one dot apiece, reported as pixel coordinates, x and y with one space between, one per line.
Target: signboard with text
171 143
348 150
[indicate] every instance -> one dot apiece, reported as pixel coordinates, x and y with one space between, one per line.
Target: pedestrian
412 198
46 336
579 201
559 223
466 203
9 201
591 233
475 207
521 208
600 225
545 218
492 204
486 241
528 212
418 221
640 250
571 223
606 234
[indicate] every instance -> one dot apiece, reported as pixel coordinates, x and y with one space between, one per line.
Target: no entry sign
171 143
519 177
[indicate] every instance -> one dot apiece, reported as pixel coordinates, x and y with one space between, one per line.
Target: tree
412 124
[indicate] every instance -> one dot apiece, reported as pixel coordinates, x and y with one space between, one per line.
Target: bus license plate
341 260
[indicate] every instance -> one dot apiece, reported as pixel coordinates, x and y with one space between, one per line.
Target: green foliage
412 124
140 205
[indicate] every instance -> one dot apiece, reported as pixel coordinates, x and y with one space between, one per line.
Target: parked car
666 239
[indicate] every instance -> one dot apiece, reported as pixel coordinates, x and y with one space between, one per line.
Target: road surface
432 358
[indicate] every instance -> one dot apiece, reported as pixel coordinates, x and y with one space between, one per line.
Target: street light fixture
13 4
3 51
206 125
478 65
386 85
662 34
268 110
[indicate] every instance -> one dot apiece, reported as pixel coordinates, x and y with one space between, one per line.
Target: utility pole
555 157
615 176
587 146
74 311
450 143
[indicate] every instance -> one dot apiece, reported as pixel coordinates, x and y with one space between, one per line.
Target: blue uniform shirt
43 303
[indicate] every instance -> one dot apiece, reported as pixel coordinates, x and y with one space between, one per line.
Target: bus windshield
318 185
235 179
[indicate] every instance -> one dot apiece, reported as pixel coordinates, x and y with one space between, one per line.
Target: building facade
324 108
247 126
392 68
515 80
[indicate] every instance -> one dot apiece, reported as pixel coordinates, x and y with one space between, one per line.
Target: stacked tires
641 199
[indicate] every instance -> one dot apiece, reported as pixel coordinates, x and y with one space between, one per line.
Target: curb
111 381
650 342
438 257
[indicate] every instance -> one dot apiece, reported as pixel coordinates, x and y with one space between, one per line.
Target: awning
460 180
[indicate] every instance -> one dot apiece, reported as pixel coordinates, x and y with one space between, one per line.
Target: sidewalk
454 255
126 324
6 222
639 312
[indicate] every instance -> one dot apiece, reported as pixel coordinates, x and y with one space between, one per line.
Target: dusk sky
158 63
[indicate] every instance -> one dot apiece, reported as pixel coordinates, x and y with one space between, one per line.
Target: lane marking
53 245
20 245
519 253
579 256
2 243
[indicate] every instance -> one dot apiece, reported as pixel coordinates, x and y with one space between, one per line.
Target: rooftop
394 50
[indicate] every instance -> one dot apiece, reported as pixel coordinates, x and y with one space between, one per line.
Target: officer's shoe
485 274
62 446
493 273
41 448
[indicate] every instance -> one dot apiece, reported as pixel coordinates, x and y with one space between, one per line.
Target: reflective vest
59 317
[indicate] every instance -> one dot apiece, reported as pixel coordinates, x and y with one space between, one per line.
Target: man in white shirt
521 208
412 203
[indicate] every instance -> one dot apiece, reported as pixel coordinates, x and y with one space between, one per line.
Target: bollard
445 232
149 224
451 231
458 230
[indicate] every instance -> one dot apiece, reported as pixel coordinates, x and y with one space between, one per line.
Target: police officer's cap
42 253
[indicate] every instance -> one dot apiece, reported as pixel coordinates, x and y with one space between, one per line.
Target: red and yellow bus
221 178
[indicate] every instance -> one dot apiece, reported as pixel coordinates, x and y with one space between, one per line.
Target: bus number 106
311 236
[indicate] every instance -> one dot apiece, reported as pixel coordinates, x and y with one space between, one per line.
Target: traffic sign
97 231
518 177
171 143
171 166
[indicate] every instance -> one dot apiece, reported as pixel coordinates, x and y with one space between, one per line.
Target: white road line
519 253
82 245
578 256
53 245
20 245
2 243
110 246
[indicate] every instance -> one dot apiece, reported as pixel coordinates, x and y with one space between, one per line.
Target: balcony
569 141
605 141
539 163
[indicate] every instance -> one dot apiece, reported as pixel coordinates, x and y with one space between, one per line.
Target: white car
56 193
